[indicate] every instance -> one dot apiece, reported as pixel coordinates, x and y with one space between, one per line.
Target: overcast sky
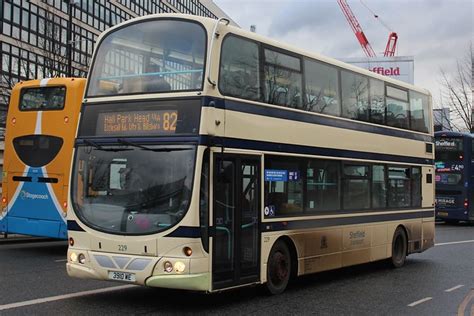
435 32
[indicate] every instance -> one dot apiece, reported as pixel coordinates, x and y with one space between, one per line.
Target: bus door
235 231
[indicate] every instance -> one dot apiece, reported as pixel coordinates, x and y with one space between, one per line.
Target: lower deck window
303 186
399 188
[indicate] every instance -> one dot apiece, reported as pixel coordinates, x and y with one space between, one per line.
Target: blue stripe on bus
186 232
195 232
308 150
283 113
268 146
74 226
326 222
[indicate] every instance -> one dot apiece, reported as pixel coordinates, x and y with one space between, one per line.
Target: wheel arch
407 234
293 253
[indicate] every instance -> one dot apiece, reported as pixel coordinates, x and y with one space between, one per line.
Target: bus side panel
327 249
428 188
428 234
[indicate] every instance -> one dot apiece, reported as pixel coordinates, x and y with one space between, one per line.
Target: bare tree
456 93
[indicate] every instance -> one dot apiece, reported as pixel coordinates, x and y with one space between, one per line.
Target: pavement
439 281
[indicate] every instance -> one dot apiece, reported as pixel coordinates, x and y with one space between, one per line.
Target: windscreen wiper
99 147
126 142
162 149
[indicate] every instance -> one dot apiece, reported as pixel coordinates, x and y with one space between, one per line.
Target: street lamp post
71 4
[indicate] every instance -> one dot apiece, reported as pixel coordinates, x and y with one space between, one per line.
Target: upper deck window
322 88
355 96
283 79
419 110
44 98
149 57
239 70
397 107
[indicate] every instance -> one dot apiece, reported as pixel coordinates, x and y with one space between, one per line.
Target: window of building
356 187
283 79
239 70
321 88
7 11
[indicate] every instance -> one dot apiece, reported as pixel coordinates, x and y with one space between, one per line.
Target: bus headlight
179 267
168 266
73 257
81 258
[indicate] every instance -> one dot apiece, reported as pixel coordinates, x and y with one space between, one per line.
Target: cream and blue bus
209 158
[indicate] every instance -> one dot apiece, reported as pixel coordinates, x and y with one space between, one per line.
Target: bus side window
239 70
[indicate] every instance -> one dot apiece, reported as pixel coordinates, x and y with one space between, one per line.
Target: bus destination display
136 123
449 144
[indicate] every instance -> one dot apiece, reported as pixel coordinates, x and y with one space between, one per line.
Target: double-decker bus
454 180
41 125
209 158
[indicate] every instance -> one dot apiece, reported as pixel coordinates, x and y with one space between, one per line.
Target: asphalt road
439 281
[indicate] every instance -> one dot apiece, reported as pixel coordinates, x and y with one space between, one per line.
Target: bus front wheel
399 248
278 268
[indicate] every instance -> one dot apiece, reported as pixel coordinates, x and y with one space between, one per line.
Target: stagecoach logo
27 195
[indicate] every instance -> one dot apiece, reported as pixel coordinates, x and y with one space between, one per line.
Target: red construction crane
356 28
364 42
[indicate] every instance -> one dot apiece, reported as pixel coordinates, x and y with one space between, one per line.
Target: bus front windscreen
161 55
132 189
42 98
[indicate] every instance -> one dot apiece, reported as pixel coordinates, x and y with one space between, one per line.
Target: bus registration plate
122 276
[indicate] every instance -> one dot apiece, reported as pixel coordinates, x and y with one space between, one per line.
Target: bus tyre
278 268
399 248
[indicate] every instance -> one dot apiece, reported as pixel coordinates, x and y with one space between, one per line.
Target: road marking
60 260
426 299
63 297
465 302
454 242
454 288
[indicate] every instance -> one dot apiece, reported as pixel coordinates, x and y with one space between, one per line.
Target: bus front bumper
81 272
141 270
459 214
194 282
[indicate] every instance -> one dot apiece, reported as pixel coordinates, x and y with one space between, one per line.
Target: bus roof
68 82
453 134
209 23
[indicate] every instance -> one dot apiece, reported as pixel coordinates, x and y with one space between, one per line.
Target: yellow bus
209 158
41 125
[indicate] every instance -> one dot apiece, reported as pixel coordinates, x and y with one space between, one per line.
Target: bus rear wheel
278 268
399 248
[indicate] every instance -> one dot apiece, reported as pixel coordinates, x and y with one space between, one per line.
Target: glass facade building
34 34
